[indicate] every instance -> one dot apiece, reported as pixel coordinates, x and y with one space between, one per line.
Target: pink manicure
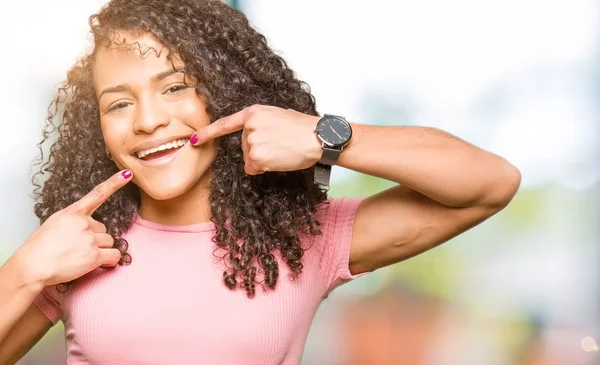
194 138
126 174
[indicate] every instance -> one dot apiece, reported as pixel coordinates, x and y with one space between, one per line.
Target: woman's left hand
273 139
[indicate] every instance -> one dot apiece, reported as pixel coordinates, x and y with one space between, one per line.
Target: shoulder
336 219
334 212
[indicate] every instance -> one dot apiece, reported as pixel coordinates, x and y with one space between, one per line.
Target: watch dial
334 131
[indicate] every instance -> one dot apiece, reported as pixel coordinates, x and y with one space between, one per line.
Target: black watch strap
330 156
322 174
323 167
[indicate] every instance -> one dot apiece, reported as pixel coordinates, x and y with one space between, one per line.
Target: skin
149 109
401 222
445 185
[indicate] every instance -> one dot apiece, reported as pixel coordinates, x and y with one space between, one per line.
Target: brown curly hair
235 68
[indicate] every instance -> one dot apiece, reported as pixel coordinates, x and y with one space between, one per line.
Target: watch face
334 131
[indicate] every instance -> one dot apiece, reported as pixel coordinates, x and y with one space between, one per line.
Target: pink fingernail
194 138
126 174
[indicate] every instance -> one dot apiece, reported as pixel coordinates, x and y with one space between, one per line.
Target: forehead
136 61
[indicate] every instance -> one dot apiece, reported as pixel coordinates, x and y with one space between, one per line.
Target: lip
163 160
157 142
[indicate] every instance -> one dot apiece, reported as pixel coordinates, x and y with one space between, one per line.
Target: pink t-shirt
170 306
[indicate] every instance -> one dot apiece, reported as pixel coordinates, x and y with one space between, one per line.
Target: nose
151 116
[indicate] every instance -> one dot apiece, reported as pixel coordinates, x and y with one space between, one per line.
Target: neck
189 208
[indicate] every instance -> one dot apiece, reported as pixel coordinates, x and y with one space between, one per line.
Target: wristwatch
334 132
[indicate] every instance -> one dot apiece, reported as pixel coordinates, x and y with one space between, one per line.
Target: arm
68 245
22 324
24 335
446 186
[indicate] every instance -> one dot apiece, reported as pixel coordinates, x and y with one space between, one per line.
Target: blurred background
518 77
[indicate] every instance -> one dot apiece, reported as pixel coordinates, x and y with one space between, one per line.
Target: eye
176 89
117 106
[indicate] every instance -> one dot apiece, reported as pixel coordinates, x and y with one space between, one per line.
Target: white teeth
166 146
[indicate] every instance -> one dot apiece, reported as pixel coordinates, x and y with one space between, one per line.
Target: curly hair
254 216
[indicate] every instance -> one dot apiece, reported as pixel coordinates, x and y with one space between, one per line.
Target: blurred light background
518 77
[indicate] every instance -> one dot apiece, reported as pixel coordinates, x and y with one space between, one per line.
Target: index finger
220 127
94 199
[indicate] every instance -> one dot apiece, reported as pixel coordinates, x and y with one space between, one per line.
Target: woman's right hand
70 243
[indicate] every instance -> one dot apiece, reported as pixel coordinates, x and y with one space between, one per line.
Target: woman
224 245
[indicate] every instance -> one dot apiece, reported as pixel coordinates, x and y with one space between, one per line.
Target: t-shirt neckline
197 227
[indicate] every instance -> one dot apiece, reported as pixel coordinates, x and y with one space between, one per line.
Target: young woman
184 213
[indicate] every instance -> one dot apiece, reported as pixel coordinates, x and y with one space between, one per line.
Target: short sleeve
48 302
337 222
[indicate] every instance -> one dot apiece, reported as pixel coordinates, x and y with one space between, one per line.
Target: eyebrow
124 87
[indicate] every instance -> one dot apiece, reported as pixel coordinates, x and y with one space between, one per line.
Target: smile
148 154
161 154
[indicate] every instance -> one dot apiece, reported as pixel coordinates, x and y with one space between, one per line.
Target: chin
167 189
164 195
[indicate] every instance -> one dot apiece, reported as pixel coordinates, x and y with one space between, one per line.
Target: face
148 113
